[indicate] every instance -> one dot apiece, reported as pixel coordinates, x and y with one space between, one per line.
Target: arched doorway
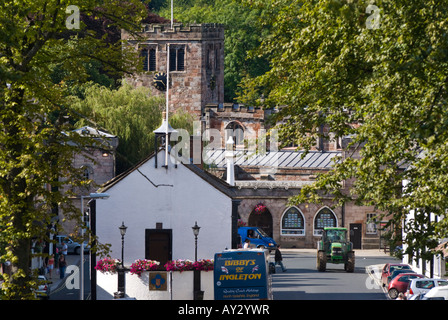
261 217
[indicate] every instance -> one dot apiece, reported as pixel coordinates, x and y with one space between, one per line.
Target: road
302 281
69 289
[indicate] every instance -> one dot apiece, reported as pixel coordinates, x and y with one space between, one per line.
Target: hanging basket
259 208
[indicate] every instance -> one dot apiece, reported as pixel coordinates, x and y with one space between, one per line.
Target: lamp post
196 233
197 293
123 229
81 278
121 275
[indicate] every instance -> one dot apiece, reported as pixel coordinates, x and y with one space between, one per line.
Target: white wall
140 205
181 287
419 265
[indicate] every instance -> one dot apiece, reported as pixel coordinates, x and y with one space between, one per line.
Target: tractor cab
335 248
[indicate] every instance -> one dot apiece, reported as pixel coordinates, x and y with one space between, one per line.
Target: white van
437 293
421 286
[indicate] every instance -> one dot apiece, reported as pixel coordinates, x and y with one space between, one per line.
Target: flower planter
148 280
179 285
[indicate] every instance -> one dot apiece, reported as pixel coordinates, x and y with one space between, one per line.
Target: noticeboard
241 274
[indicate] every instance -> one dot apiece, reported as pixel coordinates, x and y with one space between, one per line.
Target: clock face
159 81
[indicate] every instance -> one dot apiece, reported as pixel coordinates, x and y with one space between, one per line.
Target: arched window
87 172
236 131
324 218
293 223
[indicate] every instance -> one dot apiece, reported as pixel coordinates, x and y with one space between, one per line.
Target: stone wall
202 80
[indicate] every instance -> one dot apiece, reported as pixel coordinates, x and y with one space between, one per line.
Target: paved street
302 281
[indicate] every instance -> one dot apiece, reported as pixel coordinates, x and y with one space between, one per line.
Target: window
371 224
177 58
149 59
324 218
87 172
235 130
293 223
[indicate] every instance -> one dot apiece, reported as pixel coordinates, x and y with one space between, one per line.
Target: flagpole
167 90
167 101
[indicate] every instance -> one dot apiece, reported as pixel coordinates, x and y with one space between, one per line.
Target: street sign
242 274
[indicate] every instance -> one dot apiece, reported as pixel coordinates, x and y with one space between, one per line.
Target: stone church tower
196 60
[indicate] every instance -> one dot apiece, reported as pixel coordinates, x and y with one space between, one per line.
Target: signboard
242 274
157 281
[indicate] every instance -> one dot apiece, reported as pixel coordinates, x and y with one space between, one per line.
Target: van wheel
261 247
78 250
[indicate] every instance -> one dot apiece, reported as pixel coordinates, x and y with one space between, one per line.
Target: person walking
64 248
62 266
279 258
51 265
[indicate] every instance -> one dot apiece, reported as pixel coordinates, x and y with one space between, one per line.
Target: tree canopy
36 136
130 113
376 74
243 33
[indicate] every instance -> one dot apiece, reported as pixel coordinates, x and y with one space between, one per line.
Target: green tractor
335 248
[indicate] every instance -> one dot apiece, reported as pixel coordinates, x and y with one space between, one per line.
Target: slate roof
283 159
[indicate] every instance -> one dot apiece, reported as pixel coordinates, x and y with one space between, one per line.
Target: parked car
437 293
419 287
389 268
396 273
400 283
43 290
72 246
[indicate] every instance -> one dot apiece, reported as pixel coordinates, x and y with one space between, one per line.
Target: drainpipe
235 204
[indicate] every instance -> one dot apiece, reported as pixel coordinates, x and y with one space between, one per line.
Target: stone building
196 62
197 86
98 165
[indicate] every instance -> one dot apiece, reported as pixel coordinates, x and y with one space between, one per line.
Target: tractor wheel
321 261
350 264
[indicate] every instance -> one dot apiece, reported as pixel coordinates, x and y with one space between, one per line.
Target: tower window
149 59
177 58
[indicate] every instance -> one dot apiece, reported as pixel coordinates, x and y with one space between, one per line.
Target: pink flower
259 208
141 265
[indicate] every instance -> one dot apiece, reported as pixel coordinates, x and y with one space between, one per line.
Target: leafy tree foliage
382 85
242 34
36 138
131 114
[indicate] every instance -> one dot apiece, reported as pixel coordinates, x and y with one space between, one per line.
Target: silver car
72 246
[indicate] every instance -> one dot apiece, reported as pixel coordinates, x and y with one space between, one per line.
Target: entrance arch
261 219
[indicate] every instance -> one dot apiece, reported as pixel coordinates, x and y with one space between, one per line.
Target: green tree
34 132
130 113
242 34
383 85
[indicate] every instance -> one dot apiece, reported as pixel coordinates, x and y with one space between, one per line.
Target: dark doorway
356 235
158 245
261 220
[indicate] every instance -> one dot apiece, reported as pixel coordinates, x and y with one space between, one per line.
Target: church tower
196 62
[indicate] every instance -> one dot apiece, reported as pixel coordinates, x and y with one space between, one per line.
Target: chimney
230 162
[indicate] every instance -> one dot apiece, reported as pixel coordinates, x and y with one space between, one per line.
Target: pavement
72 259
358 253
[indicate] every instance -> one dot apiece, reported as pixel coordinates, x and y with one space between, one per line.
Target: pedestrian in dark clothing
279 258
62 266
